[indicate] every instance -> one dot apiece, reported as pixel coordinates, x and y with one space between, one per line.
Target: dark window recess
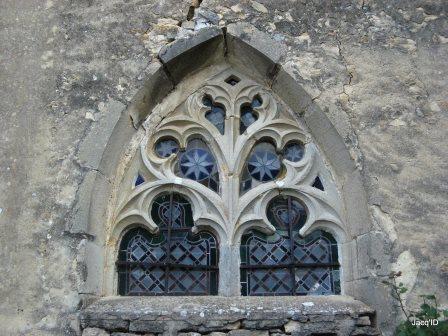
139 180
247 114
216 115
232 80
285 263
172 262
318 184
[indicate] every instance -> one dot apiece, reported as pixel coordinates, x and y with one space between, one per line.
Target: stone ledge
339 315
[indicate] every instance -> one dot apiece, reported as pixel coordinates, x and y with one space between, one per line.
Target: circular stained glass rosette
263 166
197 164
164 148
294 152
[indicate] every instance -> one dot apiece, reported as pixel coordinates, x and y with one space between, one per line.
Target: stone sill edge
184 307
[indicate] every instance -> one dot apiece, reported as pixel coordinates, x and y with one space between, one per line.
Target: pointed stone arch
168 82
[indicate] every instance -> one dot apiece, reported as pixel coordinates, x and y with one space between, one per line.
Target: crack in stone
345 63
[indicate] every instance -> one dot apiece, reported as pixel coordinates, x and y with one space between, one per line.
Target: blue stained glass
294 152
139 180
197 164
256 102
247 114
164 148
263 166
216 115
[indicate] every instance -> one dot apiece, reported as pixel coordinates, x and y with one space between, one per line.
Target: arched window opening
247 114
216 114
285 263
172 262
165 147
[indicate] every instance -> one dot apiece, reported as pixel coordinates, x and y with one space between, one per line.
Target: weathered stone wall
69 69
219 316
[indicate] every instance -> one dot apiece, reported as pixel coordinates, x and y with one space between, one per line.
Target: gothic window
172 262
253 179
285 263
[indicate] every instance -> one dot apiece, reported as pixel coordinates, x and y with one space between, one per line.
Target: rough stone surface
94 332
178 57
377 69
217 316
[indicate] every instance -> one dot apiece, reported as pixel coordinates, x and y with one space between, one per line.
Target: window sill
340 315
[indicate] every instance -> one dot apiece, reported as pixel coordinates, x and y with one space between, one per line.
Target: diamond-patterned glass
173 262
285 263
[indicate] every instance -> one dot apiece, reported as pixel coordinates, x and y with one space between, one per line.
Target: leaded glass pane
247 114
172 209
198 163
263 165
166 147
285 211
317 281
173 262
216 115
285 263
294 151
269 282
139 180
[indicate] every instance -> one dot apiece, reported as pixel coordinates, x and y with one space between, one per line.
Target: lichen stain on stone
407 265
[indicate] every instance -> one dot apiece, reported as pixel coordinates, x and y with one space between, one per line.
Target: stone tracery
230 149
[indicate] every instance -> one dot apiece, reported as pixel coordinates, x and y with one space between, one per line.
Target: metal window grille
172 262
285 263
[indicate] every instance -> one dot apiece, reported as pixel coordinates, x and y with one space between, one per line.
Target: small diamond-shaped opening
232 80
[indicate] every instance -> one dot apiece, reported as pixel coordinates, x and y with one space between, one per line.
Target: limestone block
78 222
213 325
292 326
253 50
93 145
372 254
147 326
244 332
363 321
94 332
156 86
182 57
263 324
128 334
293 94
365 331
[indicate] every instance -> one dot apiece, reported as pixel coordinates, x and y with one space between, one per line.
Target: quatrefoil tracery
230 122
